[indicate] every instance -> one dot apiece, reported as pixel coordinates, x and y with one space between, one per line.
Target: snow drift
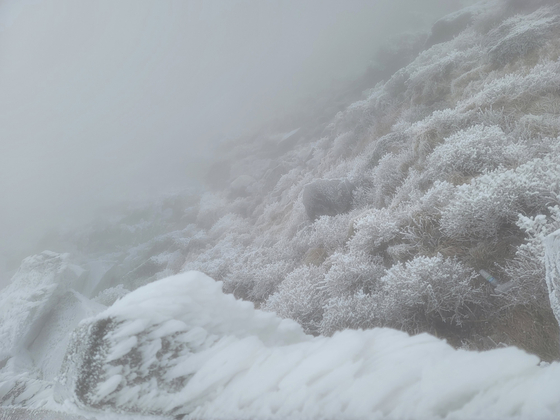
182 346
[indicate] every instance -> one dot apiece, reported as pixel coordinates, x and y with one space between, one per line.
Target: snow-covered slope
381 217
452 166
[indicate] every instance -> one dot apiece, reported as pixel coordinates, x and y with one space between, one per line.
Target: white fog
105 101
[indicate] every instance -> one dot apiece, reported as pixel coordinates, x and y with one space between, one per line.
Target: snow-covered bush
386 177
522 34
427 133
344 144
356 311
374 229
351 272
429 291
211 208
217 260
514 91
541 132
301 297
430 80
329 233
527 270
473 151
494 200
268 277
257 271
230 223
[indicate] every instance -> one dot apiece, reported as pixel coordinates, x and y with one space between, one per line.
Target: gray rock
327 197
12 413
449 27
241 185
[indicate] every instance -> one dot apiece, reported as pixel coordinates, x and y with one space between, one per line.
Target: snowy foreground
182 346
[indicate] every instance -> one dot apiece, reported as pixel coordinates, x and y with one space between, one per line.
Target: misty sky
104 100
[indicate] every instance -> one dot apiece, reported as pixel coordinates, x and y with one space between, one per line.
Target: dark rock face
327 197
241 186
105 359
449 27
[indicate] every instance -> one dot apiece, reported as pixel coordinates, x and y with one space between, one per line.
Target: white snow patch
109 386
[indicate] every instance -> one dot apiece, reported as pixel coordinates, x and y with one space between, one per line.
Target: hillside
377 206
385 215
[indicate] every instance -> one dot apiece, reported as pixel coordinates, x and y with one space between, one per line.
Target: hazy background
105 100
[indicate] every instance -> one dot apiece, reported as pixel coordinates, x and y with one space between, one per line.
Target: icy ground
180 346
208 355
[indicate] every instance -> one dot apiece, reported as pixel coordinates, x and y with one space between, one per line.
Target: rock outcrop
327 197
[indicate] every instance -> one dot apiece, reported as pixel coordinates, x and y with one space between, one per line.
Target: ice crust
552 260
182 346
38 309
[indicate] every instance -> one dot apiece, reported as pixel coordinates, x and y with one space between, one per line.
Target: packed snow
552 255
233 361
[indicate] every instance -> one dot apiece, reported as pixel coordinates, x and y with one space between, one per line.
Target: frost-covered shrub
491 201
356 118
431 131
256 271
422 232
436 198
387 176
211 208
395 55
392 142
428 291
540 131
410 190
344 144
436 157
515 90
506 120
300 297
521 34
329 233
472 151
268 277
373 230
356 311
527 270
230 223
430 80
350 272
217 261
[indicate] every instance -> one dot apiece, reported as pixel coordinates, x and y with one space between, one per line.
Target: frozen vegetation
359 236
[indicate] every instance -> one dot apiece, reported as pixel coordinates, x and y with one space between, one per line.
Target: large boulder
241 186
449 27
28 302
38 310
327 197
155 350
